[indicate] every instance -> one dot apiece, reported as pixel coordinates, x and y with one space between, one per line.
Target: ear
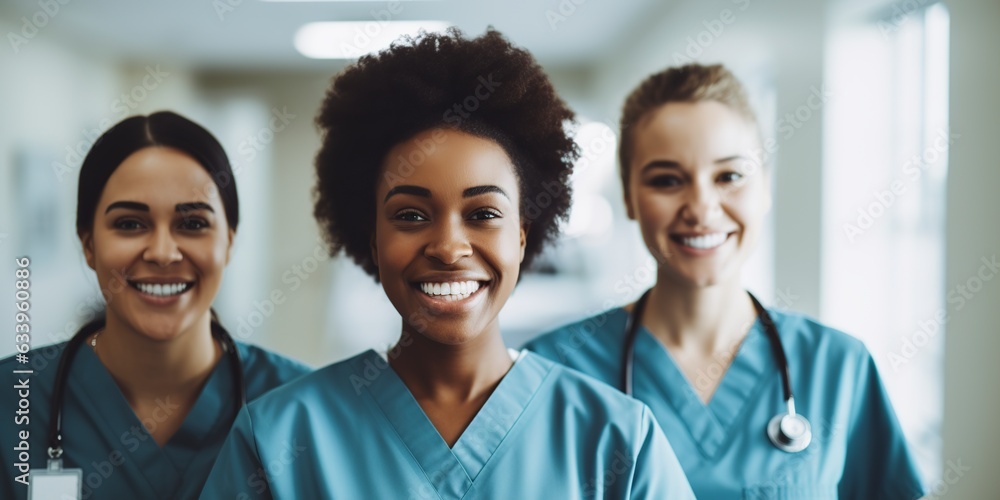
87 241
374 249
229 246
525 227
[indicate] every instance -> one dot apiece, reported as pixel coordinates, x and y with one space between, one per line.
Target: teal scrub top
103 436
353 430
857 451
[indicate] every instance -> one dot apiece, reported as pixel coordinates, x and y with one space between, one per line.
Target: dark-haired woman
431 150
142 398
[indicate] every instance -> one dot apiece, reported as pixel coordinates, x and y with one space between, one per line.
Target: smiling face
448 238
159 243
697 193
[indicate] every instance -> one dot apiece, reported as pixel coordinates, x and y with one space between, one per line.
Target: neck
704 318
451 373
146 369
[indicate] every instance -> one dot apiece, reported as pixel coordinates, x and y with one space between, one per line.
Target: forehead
160 173
447 161
692 132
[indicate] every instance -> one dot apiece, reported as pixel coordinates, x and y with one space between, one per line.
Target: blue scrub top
857 451
353 430
103 436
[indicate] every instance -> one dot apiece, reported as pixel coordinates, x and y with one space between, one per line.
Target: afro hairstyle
432 81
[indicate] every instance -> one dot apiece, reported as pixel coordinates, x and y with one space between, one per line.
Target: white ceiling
256 34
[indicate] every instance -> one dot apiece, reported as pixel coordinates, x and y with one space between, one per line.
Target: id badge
55 483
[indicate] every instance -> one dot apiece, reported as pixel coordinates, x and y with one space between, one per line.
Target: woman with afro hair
443 173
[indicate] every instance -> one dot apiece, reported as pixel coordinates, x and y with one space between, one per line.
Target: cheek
747 208
655 212
209 256
112 253
394 252
503 248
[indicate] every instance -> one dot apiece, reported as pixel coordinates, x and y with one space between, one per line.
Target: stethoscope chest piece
789 432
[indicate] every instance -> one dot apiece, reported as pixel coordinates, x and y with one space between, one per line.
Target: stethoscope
66 359
789 431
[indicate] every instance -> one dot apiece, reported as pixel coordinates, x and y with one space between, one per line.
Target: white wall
44 118
972 401
287 309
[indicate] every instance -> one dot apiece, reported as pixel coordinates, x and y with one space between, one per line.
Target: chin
702 279
160 333
448 336
445 333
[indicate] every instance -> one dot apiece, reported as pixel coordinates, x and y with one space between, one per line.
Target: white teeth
705 242
450 291
162 290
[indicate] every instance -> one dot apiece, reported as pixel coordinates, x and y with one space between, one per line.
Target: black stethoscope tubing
66 359
789 432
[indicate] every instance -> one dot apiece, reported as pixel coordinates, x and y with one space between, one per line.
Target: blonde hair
688 83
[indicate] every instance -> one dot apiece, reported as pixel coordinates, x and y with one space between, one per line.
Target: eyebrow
128 205
478 190
407 189
730 158
674 164
660 164
426 193
192 206
142 207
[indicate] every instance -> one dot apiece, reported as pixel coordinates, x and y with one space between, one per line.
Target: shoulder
573 390
832 353
597 330
265 370
319 390
806 334
593 345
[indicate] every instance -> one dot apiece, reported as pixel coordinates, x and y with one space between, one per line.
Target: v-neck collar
163 468
711 425
453 471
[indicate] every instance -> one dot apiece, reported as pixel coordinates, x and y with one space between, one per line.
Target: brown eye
409 216
127 224
730 177
486 214
194 224
665 181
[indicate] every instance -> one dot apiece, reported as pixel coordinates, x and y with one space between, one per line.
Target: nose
449 243
703 204
162 248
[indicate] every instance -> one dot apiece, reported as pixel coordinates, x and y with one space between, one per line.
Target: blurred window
885 162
